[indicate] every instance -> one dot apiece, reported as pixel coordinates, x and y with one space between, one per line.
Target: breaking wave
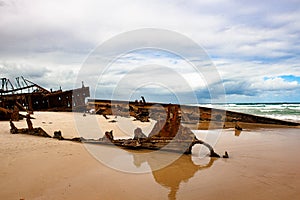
283 111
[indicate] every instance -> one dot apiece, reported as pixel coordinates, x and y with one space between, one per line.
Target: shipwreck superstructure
25 95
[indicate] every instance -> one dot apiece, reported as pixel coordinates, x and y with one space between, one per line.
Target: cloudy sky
253 45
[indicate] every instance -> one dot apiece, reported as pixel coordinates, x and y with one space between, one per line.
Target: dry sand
263 164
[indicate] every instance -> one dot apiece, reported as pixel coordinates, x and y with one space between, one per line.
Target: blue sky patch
291 78
288 78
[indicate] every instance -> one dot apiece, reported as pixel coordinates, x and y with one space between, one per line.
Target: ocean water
283 111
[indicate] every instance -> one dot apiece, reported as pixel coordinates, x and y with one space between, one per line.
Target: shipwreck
172 131
167 135
195 117
25 95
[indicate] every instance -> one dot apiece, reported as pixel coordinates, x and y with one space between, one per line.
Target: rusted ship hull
6 114
194 115
35 131
178 146
28 96
159 144
167 135
53 101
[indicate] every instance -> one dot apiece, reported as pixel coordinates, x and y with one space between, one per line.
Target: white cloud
276 84
247 40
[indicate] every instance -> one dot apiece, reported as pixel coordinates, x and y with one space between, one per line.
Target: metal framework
29 96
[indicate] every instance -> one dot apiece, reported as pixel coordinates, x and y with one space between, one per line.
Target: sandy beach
263 164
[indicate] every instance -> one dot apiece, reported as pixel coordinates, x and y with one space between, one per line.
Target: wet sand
263 164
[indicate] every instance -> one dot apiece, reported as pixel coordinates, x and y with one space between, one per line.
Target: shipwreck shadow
171 176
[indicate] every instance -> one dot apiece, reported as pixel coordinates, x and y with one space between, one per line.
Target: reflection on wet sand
172 175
